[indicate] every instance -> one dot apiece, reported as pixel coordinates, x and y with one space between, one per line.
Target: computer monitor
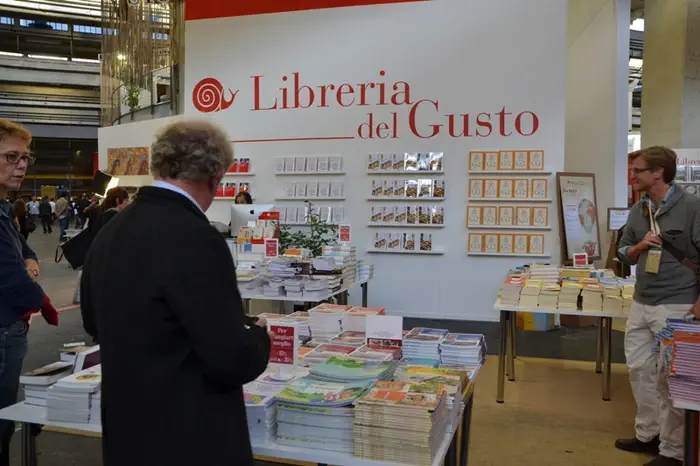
241 214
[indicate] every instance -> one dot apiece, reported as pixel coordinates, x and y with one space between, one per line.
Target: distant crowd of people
65 212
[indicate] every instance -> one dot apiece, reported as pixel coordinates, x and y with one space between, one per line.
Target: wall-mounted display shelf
403 225
508 227
434 252
227 198
492 199
308 173
240 174
303 224
304 199
412 199
417 173
501 254
509 172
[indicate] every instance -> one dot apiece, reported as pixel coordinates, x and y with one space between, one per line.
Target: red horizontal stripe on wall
208 9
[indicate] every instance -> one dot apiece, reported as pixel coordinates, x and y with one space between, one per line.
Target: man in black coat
159 294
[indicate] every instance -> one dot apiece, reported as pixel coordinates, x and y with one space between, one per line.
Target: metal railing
157 107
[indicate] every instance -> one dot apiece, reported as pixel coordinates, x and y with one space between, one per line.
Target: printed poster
579 214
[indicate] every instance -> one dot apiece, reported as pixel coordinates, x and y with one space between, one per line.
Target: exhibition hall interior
468 228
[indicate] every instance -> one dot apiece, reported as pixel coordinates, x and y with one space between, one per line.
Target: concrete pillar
671 76
597 115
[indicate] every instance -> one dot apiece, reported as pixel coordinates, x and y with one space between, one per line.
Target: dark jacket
159 294
100 219
19 294
44 209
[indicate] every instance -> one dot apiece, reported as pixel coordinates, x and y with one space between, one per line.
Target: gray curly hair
191 150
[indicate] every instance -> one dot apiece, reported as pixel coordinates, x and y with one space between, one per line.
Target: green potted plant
316 234
132 98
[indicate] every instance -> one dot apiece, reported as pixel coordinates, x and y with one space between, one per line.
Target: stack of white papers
301 318
627 297
70 399
365 271
354 319
37 382
325 320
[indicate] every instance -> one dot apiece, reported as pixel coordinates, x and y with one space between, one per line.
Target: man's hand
650 241
696 310
33 268
262 322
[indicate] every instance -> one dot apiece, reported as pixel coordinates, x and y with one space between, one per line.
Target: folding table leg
607 356
466 425
364 295
28 440
511 347
502 345
599 347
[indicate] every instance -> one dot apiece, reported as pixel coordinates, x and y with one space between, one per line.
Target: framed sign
344 233
617 217
578 209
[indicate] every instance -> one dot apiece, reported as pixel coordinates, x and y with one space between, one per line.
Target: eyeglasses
637 171
13 158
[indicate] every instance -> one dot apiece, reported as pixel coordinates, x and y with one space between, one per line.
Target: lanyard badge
654 255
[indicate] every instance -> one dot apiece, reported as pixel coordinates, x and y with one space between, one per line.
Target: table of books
506 348
453 449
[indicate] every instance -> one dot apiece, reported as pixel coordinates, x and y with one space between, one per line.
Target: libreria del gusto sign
393 106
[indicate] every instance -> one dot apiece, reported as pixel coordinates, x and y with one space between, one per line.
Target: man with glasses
662 237
19 293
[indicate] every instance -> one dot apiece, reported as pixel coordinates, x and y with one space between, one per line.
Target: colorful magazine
310 392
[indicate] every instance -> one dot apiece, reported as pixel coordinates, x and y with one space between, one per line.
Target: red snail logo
209 96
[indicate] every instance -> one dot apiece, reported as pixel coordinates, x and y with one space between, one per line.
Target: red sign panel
210 9
282 348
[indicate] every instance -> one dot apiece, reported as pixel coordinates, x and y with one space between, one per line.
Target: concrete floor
553 414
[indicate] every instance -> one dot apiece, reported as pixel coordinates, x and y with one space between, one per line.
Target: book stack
325 321
320 286
294 287
627 297
96 408
684 374
612 296
401 422
348 369
368 354
260 408
354 319
547 274
423 343
464 349
453 380
575 273
510 293
568 296
592 297
549 296
349 337
317 414
365 271
37 382
530 294
324 351
301 318
405 363
70 399
345 259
